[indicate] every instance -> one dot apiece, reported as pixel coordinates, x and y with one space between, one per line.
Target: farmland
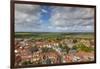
34 48
52 35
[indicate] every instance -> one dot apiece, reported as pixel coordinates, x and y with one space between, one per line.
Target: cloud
44 11
71 19
36 18
27 17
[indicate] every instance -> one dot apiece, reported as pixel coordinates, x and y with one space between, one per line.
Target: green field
46 35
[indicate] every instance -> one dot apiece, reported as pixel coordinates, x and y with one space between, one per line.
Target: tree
64 48
82 47
47 49
26 62
74 41
33 49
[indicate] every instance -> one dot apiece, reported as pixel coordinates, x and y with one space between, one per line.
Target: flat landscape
34 48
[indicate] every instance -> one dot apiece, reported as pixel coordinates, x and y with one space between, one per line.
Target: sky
44 18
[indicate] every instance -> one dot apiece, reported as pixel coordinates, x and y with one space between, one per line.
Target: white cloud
62 28
43 10
72 19
62 19
26 17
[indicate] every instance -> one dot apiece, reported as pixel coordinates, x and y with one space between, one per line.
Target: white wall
5 34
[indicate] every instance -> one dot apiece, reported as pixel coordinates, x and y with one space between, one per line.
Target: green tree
82 47
26 63
64 48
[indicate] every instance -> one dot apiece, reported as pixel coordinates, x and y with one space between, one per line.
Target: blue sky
42 18
45 16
